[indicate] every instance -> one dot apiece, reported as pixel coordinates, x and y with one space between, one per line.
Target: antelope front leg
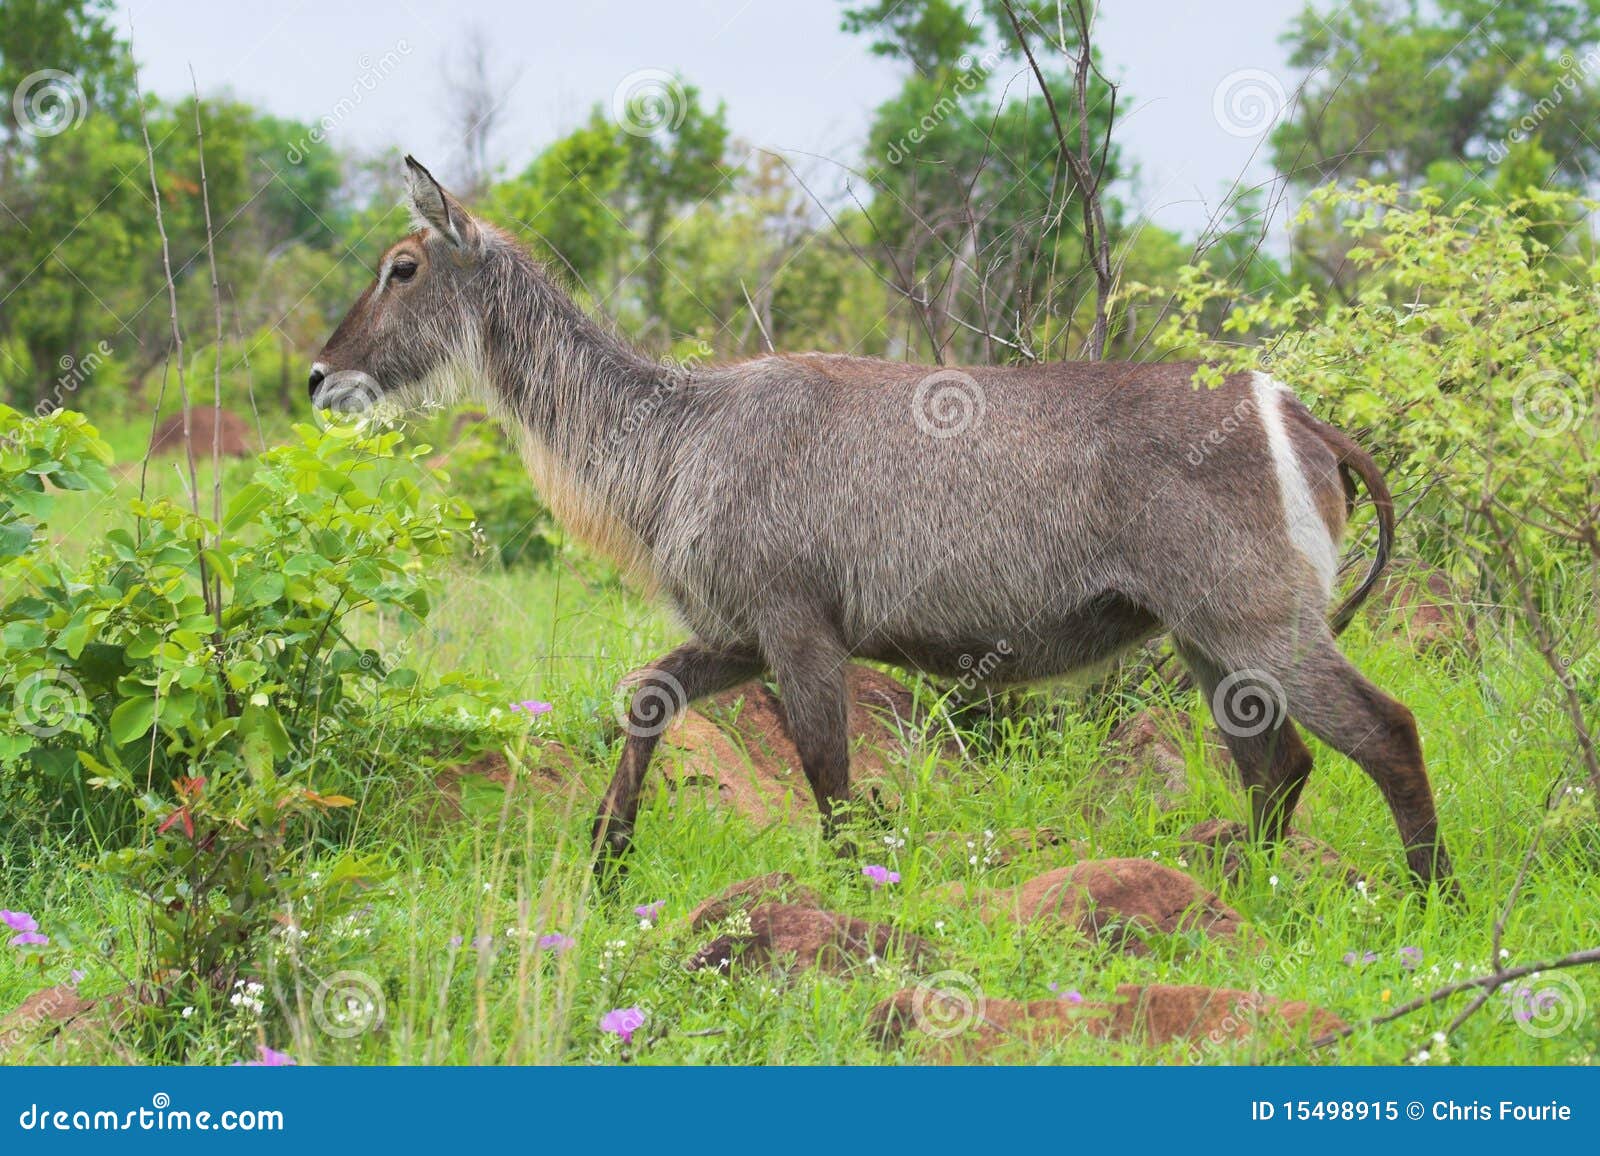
660 692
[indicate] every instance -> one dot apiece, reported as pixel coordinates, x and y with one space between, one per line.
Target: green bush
178 696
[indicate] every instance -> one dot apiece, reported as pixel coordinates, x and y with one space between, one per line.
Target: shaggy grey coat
798 511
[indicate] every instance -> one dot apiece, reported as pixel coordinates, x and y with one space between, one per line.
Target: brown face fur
412 329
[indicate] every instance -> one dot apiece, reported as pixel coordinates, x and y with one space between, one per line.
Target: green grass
562 635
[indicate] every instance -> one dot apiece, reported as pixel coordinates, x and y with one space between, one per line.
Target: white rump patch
1308 533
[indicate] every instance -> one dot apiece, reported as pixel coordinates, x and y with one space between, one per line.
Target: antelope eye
403 269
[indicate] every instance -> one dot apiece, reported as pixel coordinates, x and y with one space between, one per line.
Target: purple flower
1356 959
19 921
1071 995
533 706
1411 958
556 942
268 1059
623 1022
77 976
456 941
880 876
482 942
29 939
651 911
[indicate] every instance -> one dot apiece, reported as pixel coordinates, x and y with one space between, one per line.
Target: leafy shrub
513 526
198 677
1468 357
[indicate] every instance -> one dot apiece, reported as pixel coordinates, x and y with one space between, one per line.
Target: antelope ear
433 208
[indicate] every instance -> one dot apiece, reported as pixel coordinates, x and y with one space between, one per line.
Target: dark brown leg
809 665
1274 762
1332 700
660 691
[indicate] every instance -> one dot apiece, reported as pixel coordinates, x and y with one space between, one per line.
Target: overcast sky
793 82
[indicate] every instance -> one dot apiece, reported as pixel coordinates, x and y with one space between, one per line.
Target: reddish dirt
741 748
775 886
967 1029
1421 604
54 1019
1218 842
789 939
1114 901
554 776
238 436
1145 755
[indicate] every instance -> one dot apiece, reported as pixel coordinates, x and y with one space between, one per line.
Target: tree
978 218
1395 86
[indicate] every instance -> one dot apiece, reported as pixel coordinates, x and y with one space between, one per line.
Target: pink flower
533 706
29 939
623 1022
1071 995
77 976
651 911
19 921
880 876
556 942
269 1059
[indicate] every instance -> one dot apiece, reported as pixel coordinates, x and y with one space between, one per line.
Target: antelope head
416 332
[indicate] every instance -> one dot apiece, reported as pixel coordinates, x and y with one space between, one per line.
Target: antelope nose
318 373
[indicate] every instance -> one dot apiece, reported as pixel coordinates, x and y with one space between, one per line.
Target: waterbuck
800 511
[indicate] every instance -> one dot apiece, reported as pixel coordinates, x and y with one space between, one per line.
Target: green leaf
245 505
132 720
